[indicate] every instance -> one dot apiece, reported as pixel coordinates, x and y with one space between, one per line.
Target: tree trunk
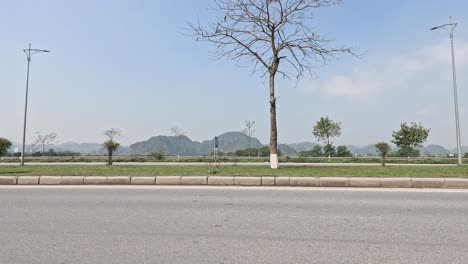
178 151
249 146
273 129
109 161
384 157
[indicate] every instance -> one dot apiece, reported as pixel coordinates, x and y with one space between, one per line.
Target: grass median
351 171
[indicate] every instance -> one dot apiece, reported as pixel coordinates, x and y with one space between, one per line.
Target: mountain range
228 142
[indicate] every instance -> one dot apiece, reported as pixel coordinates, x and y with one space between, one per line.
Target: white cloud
428 66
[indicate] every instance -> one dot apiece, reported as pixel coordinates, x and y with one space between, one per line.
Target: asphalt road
231 225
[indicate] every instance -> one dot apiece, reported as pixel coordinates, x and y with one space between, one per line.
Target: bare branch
45 140
262 33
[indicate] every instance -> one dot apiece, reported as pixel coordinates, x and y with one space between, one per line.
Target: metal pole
26 107
455 93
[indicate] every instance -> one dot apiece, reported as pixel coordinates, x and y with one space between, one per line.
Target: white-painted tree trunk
274 161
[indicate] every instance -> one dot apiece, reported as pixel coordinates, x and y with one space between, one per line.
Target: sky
130 64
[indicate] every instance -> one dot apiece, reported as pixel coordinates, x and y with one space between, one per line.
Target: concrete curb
334 182
344 182
72 180
50 180
248 181
25 180
456 183
221 181
120 180
93 180
194 180
304 181
396 182
8 180
143 180
364 182
268 181
170 180
283 181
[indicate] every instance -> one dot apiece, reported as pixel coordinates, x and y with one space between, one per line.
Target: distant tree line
254 152
327 151
407 139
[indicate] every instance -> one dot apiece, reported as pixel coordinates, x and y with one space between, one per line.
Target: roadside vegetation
231 170
315 155
161 157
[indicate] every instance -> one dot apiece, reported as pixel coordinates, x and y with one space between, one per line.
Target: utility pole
29 52
451 29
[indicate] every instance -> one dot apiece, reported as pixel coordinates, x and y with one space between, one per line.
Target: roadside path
226 164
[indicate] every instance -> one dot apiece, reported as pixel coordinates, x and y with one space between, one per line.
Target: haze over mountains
228 142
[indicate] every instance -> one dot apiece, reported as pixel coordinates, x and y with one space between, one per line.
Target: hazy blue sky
127 64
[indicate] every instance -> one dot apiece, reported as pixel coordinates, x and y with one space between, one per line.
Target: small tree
249 131
343 151
5 144
45 140
410 137
179 134
383 149
110 144
325 130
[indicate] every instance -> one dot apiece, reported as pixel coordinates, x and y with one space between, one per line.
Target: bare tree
179 134
110 144
274 36
249 131
45 140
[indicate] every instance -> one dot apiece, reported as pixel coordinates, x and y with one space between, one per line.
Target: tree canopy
110 144
343 151
5 144
383 149
410 136
326 129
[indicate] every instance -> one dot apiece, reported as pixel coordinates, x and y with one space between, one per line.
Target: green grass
142 158
335 171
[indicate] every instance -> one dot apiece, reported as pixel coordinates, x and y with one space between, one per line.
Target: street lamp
29 52
451 29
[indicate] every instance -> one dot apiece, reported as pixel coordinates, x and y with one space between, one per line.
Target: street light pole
29 52
451 28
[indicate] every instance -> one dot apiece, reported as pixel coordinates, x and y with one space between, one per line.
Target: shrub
158 155
384 149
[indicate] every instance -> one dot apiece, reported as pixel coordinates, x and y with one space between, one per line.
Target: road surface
231 225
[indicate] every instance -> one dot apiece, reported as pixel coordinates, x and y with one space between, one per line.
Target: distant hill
435 150
228 142
464 150
288 150
303 146
83 148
